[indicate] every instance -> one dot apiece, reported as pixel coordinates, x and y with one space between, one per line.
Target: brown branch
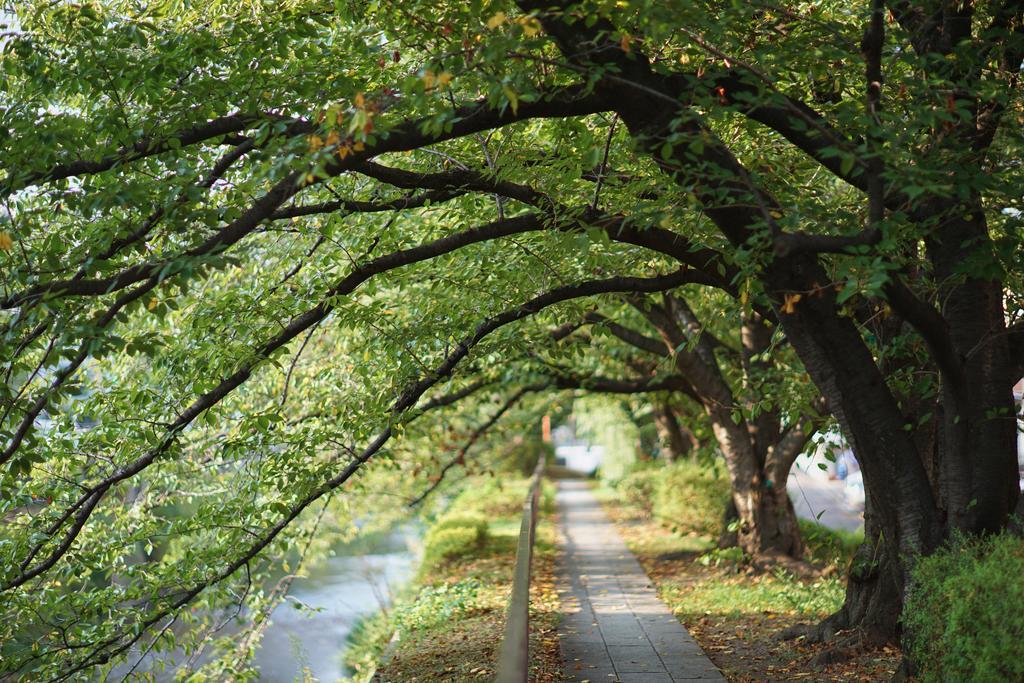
297 326
352 206
146 146
786 244
445 400
460 456
932 327
631 336
465 120
101 654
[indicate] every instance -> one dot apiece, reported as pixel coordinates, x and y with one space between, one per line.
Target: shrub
462 521
496 496
435 605
690 498
454 537
638 486
963 613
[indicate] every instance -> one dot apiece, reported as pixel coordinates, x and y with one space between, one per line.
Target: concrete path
614 627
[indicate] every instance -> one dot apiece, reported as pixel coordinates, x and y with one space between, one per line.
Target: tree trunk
874 593
676 441
768 525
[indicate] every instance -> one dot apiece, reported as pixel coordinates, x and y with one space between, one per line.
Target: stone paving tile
615 628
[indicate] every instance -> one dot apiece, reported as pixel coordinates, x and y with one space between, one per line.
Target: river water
358 581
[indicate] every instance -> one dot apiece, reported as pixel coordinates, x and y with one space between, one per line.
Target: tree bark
677 441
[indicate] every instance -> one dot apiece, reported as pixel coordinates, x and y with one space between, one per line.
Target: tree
197 199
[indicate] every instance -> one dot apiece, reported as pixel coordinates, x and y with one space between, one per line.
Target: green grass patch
826 546
742 594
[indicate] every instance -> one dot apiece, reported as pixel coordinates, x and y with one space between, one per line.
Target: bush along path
447 627
615 628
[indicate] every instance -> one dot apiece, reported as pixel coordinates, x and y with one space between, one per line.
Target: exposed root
822 632
844 645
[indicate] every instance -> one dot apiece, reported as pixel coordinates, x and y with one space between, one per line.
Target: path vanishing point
615 628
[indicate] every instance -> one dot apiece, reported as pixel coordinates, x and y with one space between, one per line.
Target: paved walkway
614 627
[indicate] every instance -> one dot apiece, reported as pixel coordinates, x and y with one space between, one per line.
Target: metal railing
514 662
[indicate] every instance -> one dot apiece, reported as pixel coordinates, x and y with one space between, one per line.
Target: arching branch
460 457
104 651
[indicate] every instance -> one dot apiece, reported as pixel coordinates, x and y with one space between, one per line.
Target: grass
737 613
450 621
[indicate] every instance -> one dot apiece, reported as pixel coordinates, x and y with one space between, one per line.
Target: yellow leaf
497 20
315 142
775 214
359 101
444 78
359 147
624 43
152 304
789 305
531 26
333 138
6 241
513 98
429 79
344 150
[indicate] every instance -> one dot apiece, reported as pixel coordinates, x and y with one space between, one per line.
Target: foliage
830 547
249 250
458 538
638 486
437 605
690 498
963 612
605 422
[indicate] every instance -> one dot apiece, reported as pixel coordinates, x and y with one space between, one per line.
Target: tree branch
460 457
148 146
112 647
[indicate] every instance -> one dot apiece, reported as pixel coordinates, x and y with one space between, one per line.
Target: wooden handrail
514 662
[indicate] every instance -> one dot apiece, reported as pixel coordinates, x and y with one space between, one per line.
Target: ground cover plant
450 621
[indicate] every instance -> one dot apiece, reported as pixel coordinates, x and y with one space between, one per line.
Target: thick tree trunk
768 525
676 440
874 594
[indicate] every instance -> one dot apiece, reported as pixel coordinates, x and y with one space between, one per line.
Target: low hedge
686 496
963 615
453 537
691 498
637 487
